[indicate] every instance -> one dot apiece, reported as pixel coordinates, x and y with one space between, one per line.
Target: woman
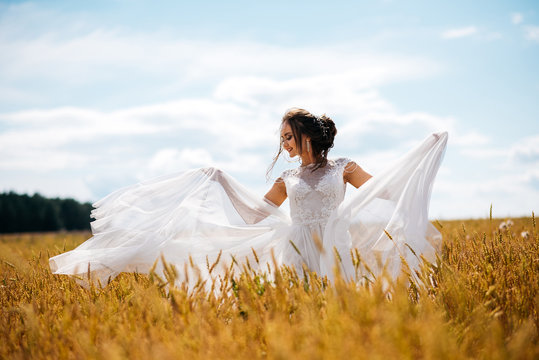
203 221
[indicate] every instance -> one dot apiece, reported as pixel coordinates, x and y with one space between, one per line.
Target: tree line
25 213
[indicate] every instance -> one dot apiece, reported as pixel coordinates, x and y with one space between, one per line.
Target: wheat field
479 300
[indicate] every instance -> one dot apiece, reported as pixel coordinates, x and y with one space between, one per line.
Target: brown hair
320 129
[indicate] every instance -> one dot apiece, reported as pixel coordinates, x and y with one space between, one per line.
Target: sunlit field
479 300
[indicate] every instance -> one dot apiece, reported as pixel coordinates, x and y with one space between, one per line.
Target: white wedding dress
200 216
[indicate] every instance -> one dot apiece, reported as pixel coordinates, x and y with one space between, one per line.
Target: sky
99 95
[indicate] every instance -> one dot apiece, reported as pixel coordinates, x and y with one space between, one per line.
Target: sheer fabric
202 215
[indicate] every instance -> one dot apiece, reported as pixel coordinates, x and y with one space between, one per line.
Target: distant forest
25 213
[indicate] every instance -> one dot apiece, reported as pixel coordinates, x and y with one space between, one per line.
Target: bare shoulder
353 173
350 166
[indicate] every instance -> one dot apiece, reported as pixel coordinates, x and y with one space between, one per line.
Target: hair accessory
321 124
308 145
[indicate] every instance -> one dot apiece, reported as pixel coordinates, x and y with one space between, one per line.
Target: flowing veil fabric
193 217
204 215
387 218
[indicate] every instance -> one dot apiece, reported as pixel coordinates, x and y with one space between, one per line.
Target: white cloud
106 55
509 194
459 32
504 174
470 138
48 184
243 115
171 160
484 153
532 33
517 18
526 150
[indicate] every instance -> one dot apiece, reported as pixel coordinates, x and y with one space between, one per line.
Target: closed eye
287 137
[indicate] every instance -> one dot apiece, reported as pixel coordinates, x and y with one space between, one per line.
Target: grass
479 301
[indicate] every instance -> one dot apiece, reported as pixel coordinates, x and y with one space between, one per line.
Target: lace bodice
313 195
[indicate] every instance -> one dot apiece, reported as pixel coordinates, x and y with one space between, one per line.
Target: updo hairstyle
320 129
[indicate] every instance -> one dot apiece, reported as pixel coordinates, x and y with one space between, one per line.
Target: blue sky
94 96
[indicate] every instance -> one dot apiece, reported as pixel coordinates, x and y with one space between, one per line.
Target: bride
204 220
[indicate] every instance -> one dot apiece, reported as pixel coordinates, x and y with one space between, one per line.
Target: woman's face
289 142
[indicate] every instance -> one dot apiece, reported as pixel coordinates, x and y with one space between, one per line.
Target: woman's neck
307 159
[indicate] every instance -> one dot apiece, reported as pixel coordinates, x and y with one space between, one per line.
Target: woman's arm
251 215
277 194
355 175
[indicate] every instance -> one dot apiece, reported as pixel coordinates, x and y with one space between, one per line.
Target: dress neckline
313 164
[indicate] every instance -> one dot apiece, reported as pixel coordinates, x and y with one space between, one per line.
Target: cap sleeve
346 164
282 178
